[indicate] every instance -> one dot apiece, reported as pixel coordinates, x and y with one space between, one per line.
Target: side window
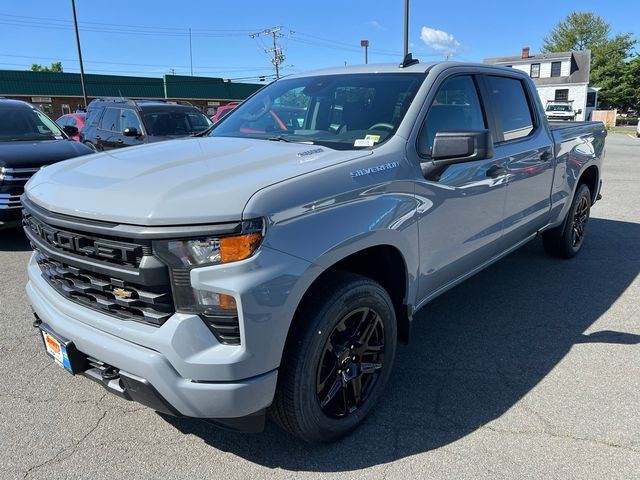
511 107
455 108
129 119
111 120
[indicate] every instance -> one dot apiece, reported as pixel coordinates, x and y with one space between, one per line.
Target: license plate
57 350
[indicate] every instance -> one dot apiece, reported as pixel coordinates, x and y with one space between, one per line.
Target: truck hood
179 182
37 153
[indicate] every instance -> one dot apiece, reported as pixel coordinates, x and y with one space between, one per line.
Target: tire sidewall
583 191
315 422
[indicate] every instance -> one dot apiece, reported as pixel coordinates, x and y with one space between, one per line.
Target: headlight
201 252
218 311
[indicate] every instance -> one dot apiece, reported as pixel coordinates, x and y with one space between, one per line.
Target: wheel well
590 178
385 265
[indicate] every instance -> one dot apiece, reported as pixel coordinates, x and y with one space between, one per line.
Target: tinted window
175 122
511 106
455 108
129 119
111 120
556 67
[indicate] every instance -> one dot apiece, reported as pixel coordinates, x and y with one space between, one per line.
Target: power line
278 54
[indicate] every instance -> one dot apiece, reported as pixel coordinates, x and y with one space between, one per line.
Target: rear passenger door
527 148
109 131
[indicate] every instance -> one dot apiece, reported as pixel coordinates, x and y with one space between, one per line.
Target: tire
566 240
323 363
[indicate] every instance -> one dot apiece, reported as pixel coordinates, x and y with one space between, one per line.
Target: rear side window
111 120
456 108
511 106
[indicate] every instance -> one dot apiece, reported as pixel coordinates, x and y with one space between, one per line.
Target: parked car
560 111
75 120
238 272
223 111
116 122
29 140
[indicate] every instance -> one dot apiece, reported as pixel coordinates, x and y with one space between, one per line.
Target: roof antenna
408 60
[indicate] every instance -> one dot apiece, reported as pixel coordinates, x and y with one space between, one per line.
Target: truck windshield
27 124
558 108
347 111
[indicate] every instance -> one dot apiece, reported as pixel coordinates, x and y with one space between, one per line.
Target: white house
559 77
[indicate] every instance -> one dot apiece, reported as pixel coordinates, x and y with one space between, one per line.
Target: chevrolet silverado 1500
273 267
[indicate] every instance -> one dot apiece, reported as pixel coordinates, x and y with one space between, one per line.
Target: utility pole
365 44
406 27
75 23
190 52
278 56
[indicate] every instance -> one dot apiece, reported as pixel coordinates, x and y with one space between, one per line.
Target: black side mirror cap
131 132
463 146
70 130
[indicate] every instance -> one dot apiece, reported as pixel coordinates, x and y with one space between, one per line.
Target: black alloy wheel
350 362
580 219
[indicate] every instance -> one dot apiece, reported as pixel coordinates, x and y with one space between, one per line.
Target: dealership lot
529 369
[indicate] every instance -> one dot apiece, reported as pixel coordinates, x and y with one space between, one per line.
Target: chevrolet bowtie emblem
122 293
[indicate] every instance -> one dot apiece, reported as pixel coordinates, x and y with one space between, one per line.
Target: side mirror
458 147
70 130
131 132
579 111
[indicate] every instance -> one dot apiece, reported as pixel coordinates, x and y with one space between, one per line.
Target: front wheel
339 359
566 240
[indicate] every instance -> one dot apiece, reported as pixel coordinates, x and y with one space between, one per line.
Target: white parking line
630 136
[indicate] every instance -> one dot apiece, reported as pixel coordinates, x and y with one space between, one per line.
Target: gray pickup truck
274 263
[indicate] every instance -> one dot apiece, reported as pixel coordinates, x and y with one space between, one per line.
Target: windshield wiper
280 138
202 133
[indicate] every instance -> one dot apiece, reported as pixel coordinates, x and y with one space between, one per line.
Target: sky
151 38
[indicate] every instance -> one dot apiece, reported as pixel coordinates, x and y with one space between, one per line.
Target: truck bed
564 130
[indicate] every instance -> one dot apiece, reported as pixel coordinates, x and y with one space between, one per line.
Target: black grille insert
152 305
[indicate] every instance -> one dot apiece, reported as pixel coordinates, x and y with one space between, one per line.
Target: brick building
57 93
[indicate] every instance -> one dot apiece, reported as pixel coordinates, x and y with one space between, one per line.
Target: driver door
461 205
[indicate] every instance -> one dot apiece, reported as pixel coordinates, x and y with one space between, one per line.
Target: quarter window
511 106
455 108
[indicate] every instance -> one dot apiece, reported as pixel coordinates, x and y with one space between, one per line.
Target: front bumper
187 370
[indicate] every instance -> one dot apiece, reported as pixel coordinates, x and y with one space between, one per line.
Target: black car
29 140
117 122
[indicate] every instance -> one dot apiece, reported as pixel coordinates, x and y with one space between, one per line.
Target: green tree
579 31
610 69
55 67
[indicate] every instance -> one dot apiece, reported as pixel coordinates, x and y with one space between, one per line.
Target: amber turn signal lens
227 302
240 247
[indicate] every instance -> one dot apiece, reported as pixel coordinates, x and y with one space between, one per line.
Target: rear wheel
338 360
566 240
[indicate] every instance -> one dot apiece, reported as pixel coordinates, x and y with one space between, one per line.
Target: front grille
12 186
108 250
124 300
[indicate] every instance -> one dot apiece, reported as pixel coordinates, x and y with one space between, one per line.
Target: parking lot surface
531 369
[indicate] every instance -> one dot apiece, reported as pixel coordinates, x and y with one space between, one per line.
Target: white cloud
440 41
376 24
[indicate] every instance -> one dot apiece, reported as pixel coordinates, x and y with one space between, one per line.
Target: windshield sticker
58 137
375 138
376 169
363 142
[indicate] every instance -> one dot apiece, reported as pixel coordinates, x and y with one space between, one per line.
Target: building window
591 99
535 70
556 67
562 95
65 108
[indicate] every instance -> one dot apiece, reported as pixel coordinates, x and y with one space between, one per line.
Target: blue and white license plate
57 350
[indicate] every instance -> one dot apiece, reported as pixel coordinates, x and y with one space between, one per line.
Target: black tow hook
37 322
110 373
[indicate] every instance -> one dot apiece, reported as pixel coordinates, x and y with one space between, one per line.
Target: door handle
546 156
119 141
496 171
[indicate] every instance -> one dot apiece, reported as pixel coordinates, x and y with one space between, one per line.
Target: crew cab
29 140
268 268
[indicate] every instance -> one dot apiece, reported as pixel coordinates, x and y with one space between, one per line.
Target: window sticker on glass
364 142
375 138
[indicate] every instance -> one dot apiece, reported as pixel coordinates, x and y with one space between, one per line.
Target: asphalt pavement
531 369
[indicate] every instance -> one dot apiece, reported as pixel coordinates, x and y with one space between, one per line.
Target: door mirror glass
70 130
130 132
